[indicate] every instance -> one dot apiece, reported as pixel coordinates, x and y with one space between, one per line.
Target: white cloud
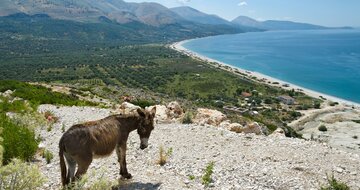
242 3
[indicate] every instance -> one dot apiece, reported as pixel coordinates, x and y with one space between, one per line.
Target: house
286 100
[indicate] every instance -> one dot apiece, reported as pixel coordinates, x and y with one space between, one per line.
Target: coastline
262 78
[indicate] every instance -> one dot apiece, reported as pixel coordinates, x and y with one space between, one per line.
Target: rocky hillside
241 161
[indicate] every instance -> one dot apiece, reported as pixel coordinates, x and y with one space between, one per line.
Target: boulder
253 128
161 113
225 124
127 108
278 132
209 117
235 127
174 110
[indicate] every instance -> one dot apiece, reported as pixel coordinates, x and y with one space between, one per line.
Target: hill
196 16
274 24
43 28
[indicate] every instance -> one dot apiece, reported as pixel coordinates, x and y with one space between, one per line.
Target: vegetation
48 156
322 128
334 184
101 182
206 178
155 69
162 156
19 141
187 119
18 175
191 177
143 103
1 148
39 95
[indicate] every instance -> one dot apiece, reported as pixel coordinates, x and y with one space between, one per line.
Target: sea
326 61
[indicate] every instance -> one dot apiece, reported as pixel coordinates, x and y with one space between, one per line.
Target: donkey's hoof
126 176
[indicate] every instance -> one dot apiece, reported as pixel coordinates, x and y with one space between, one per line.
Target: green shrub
322 128
101 183
334 184
18 141
191 177
1 148
187 119
48 156
17 106
40 95
206 178
143 103
18 175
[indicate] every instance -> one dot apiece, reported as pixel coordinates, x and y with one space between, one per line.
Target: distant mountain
274 24
196 16
45 28
114 19
90 10
246 21
288 25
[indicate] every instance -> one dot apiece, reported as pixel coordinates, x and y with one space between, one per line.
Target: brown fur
84 142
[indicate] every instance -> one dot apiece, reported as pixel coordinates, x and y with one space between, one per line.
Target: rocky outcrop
174 110
209 117
171 113
127 108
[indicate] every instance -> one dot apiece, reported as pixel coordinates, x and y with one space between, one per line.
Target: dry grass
162 157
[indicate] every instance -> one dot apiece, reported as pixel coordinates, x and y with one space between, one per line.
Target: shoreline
262 78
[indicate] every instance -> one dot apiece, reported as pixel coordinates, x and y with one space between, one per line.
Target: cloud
242 3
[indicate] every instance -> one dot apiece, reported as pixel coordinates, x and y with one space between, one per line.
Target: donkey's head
146 125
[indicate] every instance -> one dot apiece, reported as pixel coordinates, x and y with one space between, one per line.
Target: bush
48 156
206 178
18 141
322 128
101 183
18 176
40 95
1 148
143 103
333 184
187 119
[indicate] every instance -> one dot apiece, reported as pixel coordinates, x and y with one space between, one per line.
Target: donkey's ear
153 111
141 112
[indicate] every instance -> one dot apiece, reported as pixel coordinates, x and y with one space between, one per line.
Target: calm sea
326 61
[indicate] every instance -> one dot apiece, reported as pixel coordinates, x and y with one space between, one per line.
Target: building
286 100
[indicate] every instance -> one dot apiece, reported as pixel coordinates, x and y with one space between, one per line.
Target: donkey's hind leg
83 165
71 168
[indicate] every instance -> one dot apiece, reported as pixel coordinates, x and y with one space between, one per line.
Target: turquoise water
326 61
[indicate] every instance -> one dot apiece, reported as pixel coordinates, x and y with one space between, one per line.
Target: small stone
339 170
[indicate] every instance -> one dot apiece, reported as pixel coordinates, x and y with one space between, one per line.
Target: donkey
80 144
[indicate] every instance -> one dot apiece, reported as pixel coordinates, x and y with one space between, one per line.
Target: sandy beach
178 46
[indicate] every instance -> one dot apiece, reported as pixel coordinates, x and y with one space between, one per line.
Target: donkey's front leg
121 153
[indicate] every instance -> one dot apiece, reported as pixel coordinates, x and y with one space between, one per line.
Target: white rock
209 117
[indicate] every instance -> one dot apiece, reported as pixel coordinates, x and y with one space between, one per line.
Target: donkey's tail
64 179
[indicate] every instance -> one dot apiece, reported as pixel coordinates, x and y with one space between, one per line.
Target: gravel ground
241 161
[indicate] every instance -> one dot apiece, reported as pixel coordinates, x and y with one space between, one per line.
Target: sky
321 12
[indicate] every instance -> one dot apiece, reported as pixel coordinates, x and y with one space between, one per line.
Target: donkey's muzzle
144 143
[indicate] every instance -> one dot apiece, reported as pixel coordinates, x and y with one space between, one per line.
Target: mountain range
139 19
